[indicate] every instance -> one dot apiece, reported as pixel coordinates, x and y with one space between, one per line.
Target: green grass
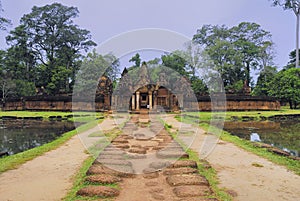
78 116
207 116
79 182
79 179
14 161
44 114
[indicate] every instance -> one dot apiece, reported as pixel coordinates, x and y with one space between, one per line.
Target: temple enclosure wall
64 103
239 103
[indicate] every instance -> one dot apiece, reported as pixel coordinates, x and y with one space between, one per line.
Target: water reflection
254 137
284 135
19 134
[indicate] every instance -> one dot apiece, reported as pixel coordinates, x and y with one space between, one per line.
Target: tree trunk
248 73
291 104
297 40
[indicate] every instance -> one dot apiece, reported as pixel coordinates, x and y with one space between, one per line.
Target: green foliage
263 81
198 86
47 36
93 67
24 88
7 85
193 57
235 51
235 87
287 4
20 63
112 71
175 62
292 61
286 86
136 59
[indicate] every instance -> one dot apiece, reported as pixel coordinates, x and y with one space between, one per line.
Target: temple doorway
153 97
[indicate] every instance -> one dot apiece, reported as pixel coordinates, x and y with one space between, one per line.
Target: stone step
184 163
111 170
99 191
183 170
191 191
103 179
186 179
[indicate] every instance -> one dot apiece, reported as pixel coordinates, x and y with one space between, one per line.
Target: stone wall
238 103
233 103
53 103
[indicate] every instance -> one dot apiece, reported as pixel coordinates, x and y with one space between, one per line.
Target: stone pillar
150 100
137 100
155 100
112 102
133 102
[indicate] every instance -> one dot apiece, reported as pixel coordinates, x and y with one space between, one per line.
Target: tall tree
293 5
15 73
251 40
175 62
94 66
292 61
7 85
192 54
49 34
286 86
112 70
264 79
236 51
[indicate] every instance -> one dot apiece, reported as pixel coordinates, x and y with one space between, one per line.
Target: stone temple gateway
137 91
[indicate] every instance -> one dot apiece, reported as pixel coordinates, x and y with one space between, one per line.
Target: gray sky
106 19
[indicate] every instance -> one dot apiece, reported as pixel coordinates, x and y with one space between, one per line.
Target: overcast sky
106 19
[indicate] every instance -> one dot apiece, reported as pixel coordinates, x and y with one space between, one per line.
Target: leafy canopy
50 38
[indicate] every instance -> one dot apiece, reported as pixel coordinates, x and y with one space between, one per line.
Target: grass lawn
207 116
44 114
73 116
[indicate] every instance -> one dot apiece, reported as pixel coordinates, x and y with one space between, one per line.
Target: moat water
281 134
18 135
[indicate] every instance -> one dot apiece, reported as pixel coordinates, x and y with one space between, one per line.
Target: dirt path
47 177
236 172
143 161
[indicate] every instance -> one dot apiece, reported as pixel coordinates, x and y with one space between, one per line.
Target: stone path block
184 163
191 191
103 179
186 179
100 191
184 170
